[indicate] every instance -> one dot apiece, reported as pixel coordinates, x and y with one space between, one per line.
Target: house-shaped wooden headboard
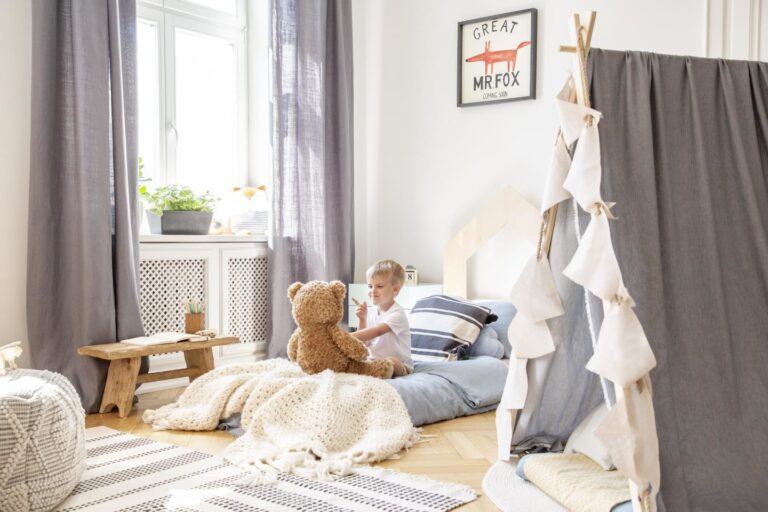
507 208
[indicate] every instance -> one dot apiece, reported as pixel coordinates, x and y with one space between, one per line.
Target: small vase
155 223
194 322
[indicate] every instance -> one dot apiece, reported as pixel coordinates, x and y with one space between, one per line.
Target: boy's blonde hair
390 268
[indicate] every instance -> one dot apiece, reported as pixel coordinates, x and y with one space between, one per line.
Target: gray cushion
487 344
506 311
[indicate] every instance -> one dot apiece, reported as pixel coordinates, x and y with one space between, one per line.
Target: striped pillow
444 328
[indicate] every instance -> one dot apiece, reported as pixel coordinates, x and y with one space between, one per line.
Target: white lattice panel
246 299
165 285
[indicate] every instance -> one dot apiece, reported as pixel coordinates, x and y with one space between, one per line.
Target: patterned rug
129 473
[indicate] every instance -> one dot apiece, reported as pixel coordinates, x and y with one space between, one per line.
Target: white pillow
583 439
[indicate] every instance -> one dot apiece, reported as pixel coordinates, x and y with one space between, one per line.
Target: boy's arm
366 335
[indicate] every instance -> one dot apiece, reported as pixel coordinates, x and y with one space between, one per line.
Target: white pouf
42 440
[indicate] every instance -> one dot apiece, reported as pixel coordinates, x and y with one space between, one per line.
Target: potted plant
179 210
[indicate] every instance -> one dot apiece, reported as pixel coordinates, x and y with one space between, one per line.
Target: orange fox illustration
491 58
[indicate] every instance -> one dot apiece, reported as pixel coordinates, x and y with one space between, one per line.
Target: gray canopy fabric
685 155
684 145
561 391
82 270
312 216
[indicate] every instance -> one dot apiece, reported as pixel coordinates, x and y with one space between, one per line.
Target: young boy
384 327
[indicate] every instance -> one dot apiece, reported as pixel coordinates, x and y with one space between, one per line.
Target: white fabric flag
512 399
534 293
622 354
558 171
594 264
629 433
505 430
572 115
530 339
583 180
516 386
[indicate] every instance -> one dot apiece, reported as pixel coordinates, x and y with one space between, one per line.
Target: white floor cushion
510 493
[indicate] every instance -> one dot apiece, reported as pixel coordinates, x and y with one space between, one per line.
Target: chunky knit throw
311 425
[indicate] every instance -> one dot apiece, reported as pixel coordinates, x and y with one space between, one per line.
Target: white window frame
168 15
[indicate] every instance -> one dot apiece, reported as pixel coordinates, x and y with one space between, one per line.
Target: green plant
143 180
177 198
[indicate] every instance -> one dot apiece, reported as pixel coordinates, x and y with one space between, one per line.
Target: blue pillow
520 468
487 344
506 311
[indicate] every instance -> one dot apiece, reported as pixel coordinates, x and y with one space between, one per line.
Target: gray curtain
82 285
312 217
685 155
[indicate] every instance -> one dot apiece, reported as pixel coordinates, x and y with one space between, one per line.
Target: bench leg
121 385
201 359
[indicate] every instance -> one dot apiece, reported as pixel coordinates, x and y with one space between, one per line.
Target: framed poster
497 58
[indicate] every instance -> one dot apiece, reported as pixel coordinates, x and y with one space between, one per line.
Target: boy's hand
361 311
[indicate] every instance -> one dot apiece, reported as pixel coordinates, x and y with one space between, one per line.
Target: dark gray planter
186 223
155 224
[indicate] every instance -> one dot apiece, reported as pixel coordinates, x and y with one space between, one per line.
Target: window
193 107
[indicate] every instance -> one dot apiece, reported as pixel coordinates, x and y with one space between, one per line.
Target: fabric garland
622 353
554 192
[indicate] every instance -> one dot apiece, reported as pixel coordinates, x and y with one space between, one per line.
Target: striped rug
129 473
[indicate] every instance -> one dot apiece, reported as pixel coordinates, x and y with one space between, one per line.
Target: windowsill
147 238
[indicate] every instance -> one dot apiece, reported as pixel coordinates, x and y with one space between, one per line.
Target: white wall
424 166
15 84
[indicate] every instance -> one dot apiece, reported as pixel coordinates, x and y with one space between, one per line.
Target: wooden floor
461 451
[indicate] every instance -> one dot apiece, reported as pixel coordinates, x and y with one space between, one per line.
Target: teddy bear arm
293 345
380 368
348 344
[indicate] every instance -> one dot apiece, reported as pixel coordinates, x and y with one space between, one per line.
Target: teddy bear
318 343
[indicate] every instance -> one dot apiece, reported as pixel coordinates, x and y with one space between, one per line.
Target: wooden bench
124 361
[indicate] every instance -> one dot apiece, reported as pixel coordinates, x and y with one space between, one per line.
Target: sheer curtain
82 284
312 225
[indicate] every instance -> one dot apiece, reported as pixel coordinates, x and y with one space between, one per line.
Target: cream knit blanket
311 425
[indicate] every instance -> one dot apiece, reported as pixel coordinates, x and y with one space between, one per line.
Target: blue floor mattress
438 391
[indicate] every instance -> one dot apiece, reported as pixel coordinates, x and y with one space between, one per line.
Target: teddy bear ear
294 289
339 290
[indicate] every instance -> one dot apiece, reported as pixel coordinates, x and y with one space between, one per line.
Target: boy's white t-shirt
395 343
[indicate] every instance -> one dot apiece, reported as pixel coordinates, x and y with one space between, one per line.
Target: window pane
206 115
149 98
228 6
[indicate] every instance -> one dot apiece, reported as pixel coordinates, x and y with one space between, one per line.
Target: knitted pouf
42 440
